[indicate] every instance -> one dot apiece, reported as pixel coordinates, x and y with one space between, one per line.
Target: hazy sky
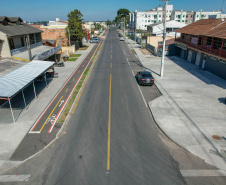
98 10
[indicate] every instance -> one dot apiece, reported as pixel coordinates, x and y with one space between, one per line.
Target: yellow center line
111 65
78 71
66 90
111 56
51 114
109 128
73 79
83 66
111 51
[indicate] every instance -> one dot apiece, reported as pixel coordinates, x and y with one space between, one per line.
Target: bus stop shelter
14 82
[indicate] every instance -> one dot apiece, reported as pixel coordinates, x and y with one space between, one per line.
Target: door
182 53
189 56
197 59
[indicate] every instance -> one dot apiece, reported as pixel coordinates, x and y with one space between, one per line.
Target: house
155 36
54 30
203 43
22 41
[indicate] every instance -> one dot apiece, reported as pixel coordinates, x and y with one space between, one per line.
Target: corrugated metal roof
15 30
15 81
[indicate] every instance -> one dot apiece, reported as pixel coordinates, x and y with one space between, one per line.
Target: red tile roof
207 27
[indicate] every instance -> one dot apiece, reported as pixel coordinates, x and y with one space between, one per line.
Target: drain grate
216 137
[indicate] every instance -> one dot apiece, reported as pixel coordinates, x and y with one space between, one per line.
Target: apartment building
203 43
140 20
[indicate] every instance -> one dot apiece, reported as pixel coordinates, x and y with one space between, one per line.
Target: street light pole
164 40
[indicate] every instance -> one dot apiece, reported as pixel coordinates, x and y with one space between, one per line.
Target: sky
93 10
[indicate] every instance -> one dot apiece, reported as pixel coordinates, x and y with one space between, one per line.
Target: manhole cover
216 137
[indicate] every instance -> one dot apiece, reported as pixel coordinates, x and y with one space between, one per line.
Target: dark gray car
144 78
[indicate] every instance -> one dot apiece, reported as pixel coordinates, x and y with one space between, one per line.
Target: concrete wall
4 47
153 40
215 67
17 42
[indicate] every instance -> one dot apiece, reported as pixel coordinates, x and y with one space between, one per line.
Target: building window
191 16
159 15
145 20
186 16
186 21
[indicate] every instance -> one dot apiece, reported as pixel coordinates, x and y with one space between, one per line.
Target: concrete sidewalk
12 134
192 107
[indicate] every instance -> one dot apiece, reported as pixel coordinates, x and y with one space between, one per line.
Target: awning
12 83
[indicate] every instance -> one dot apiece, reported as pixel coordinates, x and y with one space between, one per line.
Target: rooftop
207 27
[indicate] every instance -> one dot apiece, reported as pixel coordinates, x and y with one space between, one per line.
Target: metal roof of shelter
12 83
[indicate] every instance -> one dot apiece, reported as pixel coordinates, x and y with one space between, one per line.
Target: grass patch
72 99
76 55
71 59
83 48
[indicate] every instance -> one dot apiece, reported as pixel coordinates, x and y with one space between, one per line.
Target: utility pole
29 47
164 40
69 36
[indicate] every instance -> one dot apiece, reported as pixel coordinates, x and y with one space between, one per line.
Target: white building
140 20
171 26
208 15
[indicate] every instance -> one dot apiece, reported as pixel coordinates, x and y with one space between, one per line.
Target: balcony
22 49
208 48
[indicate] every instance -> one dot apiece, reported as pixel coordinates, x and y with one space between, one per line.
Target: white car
121 39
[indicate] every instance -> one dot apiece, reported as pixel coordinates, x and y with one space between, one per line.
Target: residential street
111 137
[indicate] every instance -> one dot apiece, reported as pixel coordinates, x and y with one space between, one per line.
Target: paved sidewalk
12 134
192 106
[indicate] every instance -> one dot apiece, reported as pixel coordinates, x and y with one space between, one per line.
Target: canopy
13 82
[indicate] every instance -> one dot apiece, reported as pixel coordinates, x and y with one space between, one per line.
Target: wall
17 42
153 40
215 67
5 50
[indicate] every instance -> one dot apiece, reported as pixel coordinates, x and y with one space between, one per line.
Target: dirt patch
145 52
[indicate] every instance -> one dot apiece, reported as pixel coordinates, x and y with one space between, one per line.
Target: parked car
144 78
121 39
94 40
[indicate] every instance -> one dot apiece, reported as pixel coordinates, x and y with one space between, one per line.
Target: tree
109 22
75 24
122 15
97 26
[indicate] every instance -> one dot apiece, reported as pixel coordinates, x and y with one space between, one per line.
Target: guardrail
49 53
23 49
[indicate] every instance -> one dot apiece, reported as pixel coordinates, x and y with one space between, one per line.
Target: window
145 20
183 15
148 20
191 16
159 15
186 16
186 21
197 16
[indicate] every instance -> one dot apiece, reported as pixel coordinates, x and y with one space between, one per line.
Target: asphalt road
111 137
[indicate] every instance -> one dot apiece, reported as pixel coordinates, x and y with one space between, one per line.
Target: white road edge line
14 178
141 92
203 173
126 57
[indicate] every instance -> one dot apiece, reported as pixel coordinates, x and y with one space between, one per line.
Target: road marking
78 71
73 79
111 51
203 173
51 113
43 113
111 65
14 178
73 111
141 92
66 90
111 56
109 127
83 66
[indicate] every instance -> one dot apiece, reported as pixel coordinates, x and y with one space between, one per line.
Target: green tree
97 26
122 16
109 22
75 24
